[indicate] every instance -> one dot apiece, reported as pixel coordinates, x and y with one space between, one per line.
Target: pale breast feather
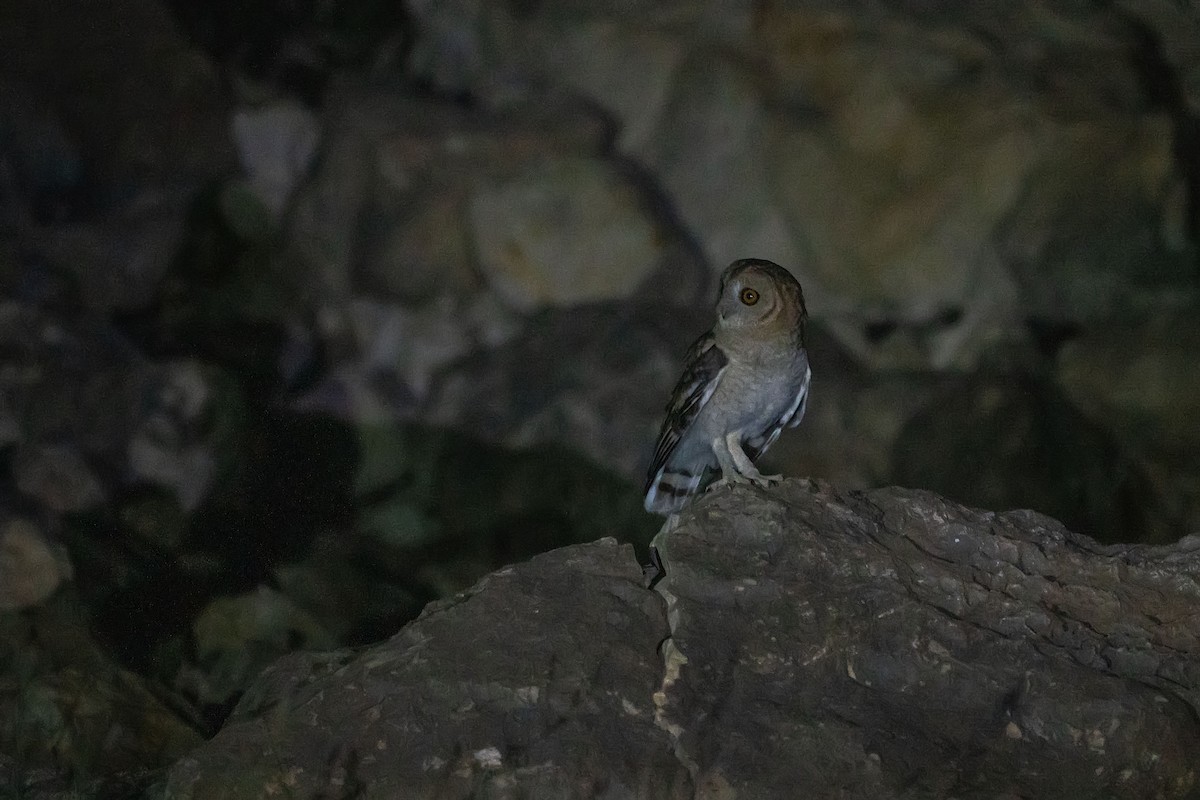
796 413
755 446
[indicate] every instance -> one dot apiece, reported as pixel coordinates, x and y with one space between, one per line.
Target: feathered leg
736 466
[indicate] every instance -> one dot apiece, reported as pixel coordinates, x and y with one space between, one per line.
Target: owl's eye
749 296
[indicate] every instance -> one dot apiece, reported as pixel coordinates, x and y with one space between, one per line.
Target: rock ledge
812 643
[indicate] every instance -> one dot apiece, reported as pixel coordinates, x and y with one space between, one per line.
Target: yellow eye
749 296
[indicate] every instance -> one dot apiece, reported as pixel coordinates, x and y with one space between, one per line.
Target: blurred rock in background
312 313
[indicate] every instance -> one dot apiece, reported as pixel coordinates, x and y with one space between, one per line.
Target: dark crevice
878 332
1163 91
1050 335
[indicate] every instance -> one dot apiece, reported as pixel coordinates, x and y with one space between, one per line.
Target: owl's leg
745 465
736 466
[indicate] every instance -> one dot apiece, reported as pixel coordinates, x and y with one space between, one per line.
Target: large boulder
812 643
959 169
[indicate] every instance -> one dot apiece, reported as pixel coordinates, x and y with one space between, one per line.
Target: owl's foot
732 479
736 466
765 480
754 478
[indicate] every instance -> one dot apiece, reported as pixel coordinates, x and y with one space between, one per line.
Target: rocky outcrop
803 642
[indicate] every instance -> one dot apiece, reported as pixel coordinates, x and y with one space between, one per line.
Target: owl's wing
702 370
755 446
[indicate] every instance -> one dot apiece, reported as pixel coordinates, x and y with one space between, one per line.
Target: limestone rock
418 199
1140 379
58 477
594 378
386 207
553 710
914 165
189 431
883 644
276 145
73 720
1016 442
31 566
892 644
561 233
711 150
236 637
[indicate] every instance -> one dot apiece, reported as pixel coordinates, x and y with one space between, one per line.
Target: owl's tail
667 492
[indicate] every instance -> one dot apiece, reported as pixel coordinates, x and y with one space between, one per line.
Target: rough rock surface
911 161
514 686
813 643
892 644
73 722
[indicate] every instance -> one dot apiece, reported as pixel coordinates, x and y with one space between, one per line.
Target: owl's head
756 292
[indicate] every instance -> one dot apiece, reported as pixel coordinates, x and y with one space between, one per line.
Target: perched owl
743 382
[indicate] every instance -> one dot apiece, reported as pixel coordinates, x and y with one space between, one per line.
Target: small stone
564 232
31 568
190 433
276 145
411 344
236 637
58 477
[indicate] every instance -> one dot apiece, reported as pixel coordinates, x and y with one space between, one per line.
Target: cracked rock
812 643
535 683
891 644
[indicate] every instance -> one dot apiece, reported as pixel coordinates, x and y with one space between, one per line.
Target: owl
743 382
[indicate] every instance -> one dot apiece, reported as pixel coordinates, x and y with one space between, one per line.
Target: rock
913 165
711 150
564 713
455 42
849 437
74 720
593 378
563 232
418 199
31 566
58 477
236 637
138 100
893 644
1004 441
118 260
189 434
1087 239
411 344
357 590
93 417
1139 379
887 643
1172 30
931 163
386 206
276 145
628 68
